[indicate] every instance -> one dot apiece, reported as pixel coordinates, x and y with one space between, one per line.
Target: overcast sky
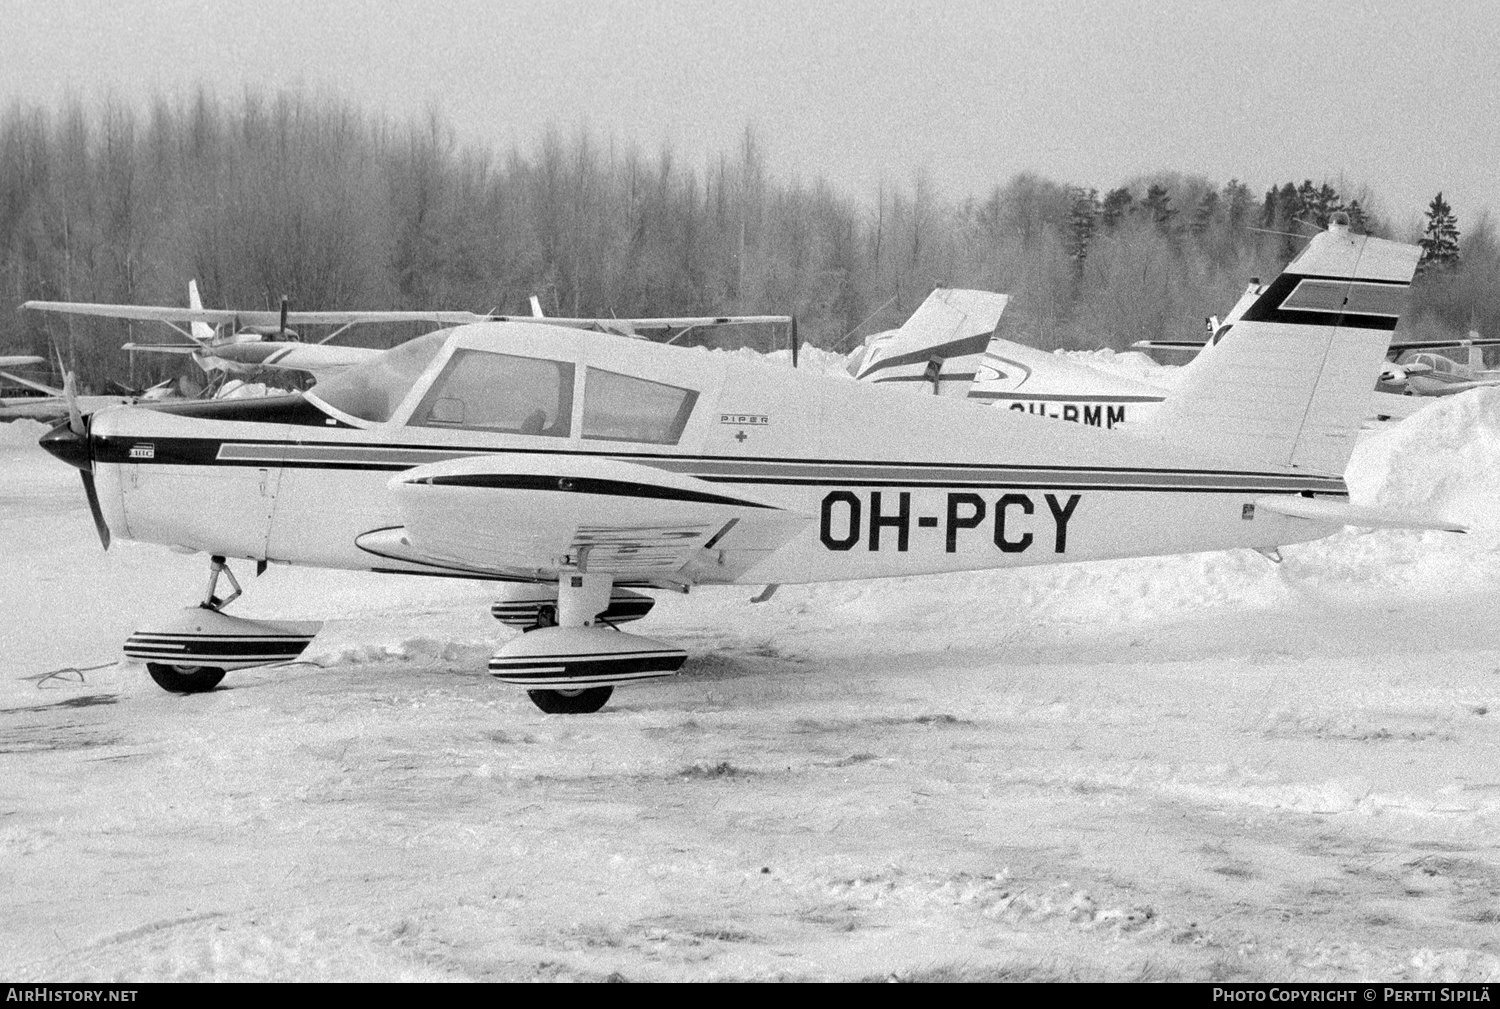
1397 95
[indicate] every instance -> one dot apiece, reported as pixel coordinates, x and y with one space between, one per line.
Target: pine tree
1358 219
1206 213
1159 205
1236 198
1116 205
1082 218
1440 237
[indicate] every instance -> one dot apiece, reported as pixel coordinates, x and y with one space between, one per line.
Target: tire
571 702
185 679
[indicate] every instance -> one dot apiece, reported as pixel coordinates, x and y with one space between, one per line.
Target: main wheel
570 702
546 616
186 679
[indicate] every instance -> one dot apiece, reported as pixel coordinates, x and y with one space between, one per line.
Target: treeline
312 198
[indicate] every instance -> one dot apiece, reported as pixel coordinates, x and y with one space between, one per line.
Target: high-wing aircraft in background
582 468
239 342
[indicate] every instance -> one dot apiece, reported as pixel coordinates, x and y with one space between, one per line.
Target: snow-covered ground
1206 767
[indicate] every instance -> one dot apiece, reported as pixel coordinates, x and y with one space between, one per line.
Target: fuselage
889 484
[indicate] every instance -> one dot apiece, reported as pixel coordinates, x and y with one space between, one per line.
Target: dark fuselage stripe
770 471
582 485
1059 398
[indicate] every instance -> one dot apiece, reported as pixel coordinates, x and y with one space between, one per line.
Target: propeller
70 442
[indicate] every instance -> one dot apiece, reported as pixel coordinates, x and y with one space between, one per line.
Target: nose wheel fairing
196 636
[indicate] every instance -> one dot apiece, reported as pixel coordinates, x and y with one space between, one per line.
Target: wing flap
534 516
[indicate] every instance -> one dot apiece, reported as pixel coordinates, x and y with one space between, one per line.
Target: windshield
373 389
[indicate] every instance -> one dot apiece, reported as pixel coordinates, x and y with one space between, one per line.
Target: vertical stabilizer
939 348
203 333
1289 382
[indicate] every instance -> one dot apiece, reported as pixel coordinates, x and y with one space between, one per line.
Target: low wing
535 516
1424 386
1345 514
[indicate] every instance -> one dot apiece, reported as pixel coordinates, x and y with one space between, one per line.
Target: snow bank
1131 364
1443 460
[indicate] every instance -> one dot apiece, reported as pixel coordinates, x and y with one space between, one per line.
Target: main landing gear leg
573 667
579 598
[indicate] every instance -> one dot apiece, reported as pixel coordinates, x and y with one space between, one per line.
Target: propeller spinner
69 441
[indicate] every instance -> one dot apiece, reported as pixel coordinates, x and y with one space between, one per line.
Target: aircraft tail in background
1288 384
940 345
203 333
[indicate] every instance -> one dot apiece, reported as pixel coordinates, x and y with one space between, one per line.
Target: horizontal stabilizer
1192 345
938 348
1344 513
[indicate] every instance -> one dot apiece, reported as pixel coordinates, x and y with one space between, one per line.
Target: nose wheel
185 679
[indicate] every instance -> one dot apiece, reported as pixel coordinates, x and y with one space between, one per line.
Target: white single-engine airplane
1429 374
580 466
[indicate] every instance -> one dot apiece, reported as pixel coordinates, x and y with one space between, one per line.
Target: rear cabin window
482 391
622 408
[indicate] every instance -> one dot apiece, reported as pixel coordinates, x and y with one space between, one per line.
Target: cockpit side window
482 391
621 408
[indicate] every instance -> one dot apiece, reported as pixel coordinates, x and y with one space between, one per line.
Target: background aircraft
1417 371
244 343
938 348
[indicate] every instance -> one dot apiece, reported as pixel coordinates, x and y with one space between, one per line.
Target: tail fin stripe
1330 301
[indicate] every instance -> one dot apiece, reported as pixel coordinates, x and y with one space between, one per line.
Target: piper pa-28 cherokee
580 467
